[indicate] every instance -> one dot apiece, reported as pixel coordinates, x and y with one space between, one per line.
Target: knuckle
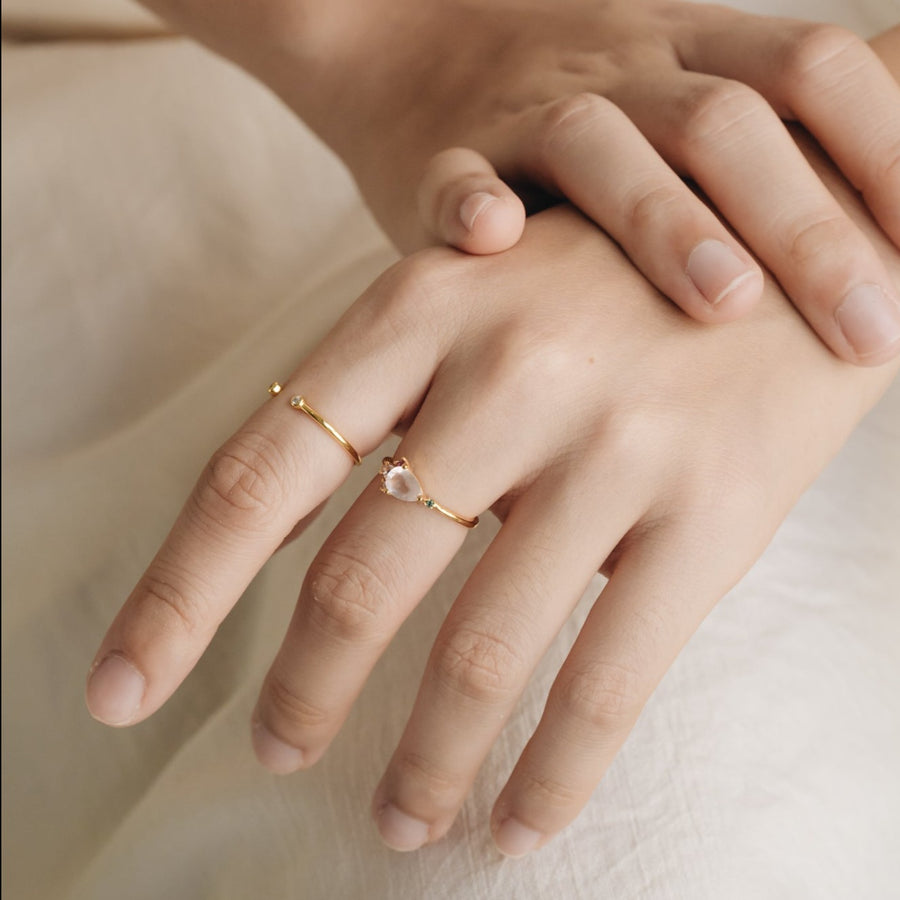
530 356
409 289
167 606
820 238
565 120
637 429
646 206
712 112
822 54
435 786
548 793
734 487
449 158
294 713
244 481
605 696
348 597
478 665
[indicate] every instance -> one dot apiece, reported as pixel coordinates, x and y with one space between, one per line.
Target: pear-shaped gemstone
400 482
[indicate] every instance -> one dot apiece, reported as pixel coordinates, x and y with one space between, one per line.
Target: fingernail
276 755
400 831
716 270
115 690
515 839
869 318
473 206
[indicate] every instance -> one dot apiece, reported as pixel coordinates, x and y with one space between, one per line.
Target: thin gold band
300 404
410 483
433 504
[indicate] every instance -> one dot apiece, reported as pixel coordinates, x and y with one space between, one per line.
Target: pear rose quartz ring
398 480
299 403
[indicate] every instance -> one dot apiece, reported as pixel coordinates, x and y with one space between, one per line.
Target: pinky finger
463 202
629 640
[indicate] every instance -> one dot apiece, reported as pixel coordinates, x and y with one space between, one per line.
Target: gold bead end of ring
299 403
399 481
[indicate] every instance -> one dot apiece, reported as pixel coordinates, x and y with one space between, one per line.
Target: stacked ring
397 477
398 480
299 403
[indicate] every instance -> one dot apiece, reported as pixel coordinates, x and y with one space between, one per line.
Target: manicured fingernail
276 755
716 270
515 839
400 831
870 319
473 206
115 690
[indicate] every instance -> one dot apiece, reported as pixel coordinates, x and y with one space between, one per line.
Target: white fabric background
173 240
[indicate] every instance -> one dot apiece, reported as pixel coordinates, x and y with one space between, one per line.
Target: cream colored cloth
172 241
46 19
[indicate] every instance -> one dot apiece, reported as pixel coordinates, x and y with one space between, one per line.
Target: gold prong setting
400 482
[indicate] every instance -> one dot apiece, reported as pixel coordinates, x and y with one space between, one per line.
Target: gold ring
300 404
398 480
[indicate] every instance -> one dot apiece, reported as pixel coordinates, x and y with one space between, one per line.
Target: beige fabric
173 240
42 19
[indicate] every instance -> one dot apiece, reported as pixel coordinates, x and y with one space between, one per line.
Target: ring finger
513 605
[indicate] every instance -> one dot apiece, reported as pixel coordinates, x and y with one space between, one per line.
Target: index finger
277 467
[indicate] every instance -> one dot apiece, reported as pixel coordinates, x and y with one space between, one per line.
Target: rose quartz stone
402 484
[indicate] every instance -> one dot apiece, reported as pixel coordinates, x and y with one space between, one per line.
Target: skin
665 454
607 104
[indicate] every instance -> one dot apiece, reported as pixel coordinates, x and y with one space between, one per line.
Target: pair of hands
646 445
662 451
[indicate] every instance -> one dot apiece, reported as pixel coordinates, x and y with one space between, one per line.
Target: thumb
463 202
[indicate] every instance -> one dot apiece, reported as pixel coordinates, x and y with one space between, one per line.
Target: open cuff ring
300 404
398 480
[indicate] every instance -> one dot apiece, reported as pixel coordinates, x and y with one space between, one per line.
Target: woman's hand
604 104
609 431
607 104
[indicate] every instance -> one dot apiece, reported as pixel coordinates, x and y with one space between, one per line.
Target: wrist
309 52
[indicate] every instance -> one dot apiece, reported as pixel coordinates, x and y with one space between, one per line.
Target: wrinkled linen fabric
172 241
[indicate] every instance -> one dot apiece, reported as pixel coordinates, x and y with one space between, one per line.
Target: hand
661 451
597 102
606 104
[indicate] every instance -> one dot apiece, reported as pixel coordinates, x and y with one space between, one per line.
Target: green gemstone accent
429 503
